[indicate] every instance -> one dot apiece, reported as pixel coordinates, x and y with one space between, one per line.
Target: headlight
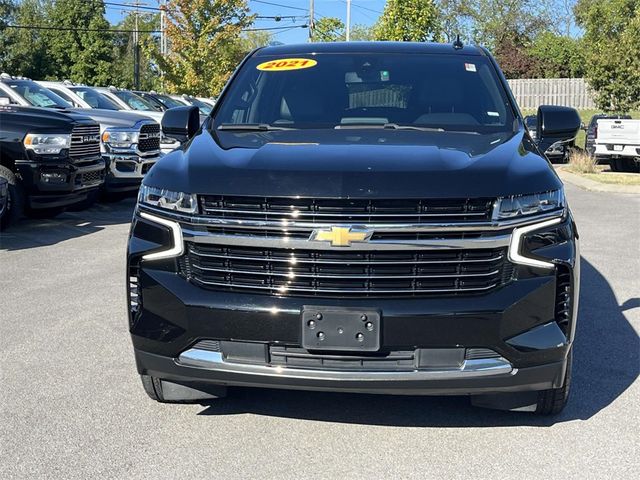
120 138
522 205
47 143
177 201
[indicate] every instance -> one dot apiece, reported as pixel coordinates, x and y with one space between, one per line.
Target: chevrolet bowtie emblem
341 236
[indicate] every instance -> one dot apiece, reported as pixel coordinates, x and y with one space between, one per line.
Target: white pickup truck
619 141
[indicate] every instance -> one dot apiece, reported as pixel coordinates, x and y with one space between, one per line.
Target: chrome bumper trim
484 367
373 245
249 225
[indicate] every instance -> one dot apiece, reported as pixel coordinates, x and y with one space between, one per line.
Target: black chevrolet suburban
358 217
50 159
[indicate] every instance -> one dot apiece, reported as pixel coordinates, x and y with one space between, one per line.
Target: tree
7 11
204 46
558 56
328 29
408 21
497 22
331 29
25 52
123 52
83 55
254 39
612 51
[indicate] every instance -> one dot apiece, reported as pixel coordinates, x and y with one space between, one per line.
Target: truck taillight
595 131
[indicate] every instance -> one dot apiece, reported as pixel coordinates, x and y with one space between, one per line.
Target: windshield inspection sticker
470 67
286 64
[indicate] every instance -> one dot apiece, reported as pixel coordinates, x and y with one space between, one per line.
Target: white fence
570 92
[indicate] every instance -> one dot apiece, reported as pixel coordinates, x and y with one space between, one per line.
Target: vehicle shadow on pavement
606 363
31 233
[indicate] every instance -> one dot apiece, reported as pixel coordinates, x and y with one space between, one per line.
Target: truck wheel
13 208
163 391
614 165
551 402
628 165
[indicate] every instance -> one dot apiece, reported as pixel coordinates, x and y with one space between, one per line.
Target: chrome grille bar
345 276
284 290
356 262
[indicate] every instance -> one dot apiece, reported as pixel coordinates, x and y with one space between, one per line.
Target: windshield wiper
387 126
395 126
251 127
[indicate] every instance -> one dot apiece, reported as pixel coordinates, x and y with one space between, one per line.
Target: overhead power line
141 7
78 29
274 28
118 30
280 5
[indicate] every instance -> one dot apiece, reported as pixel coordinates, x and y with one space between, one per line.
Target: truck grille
85 142
149 137
346 211
93 177
344 273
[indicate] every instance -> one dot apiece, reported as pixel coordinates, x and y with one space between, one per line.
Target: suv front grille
355 211
345 273
149 137
85 142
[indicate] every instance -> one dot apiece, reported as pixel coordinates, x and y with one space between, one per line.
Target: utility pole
163 37
348 20
136 44
163 26
312 22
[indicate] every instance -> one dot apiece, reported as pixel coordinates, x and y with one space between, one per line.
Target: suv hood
359 164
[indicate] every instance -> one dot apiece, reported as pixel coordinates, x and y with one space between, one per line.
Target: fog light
52 177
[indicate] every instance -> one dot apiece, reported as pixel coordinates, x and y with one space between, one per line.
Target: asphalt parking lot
72 406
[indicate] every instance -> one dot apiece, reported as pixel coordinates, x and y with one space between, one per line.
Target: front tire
13 209
553 401
628 165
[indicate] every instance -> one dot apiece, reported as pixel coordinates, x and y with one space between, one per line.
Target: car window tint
95 99
457 92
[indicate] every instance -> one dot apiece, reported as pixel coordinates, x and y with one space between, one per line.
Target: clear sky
363 12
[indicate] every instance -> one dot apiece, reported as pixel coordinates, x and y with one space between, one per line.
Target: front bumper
126 171
518 321
492 379
54 184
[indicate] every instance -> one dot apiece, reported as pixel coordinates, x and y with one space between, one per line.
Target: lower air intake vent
208 345
563 298
478 353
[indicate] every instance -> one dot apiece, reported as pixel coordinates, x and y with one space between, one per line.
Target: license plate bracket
341 328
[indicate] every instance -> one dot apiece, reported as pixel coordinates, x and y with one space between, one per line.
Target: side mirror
5 101
181 123
557 124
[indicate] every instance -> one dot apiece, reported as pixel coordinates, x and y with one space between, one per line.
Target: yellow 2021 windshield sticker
286 64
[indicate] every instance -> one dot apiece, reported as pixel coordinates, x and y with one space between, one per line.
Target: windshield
170 102
95 99
37 95
203 107
326 91
134 101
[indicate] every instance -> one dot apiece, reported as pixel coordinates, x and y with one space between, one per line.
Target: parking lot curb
592 185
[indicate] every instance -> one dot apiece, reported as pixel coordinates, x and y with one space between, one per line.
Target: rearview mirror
181 123
557 124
